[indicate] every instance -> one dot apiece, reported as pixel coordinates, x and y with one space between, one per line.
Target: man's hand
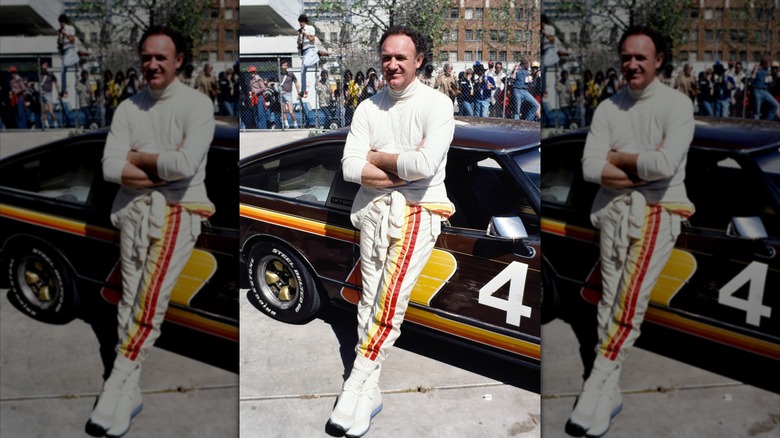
383 161
144 161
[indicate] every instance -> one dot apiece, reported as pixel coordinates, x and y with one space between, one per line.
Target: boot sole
373 414
135 412
611 416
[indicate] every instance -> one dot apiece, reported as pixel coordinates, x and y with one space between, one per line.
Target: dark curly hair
419 40
177 38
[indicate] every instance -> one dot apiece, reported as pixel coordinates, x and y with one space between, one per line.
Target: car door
733 275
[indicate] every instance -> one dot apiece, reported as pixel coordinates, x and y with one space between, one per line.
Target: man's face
284 66
738 67
44 66
400 61
639 61
498 67
159 61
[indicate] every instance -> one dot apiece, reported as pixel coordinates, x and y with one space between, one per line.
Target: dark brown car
482 283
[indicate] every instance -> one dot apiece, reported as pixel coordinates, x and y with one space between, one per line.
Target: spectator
131 85
327 98
206 83
66 45
18 90
496 103
686 82
286 81
705 97
426 75
467 93
521 94
258 104
48 85
762 80
611 85
592 90
225 91
185 76
110 94
349 110
447 83
373 84
484 86
722 86
86 99
738 76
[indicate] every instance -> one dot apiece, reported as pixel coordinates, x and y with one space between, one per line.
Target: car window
305 174
722 187
68 173
480 189
561 177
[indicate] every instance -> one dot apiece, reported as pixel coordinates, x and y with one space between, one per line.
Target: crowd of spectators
29 101
722 90
481 90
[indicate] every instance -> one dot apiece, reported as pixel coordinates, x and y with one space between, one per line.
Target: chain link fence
268 100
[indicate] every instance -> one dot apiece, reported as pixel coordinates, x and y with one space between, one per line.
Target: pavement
664 394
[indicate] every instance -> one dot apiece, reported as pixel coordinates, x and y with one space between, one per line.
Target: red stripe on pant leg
635 284
385 320
150 303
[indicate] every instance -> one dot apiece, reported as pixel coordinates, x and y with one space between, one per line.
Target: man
207 83
18 89
447 83
257 90
737 98
66 43
762 81
484 86
286 81
397 151
686 82
521 94
156 150
48 84
327 99
86 96
722 88
498 75
636 150
309 56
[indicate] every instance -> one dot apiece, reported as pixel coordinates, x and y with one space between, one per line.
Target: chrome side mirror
751 228
506 227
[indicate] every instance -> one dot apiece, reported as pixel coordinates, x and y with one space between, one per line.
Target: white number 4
755 274
515 274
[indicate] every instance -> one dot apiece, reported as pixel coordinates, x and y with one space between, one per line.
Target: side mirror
751 228
506 227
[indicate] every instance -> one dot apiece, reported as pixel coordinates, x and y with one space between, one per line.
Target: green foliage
124 21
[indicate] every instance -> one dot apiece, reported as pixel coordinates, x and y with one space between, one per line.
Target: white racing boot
582 417
343 413
102 417
369 404
609 404
128 405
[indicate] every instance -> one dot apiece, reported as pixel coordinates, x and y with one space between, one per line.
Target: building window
454 13
757 56
693 35
214 13
718 14
480 36
693 56
228 14
468 56
493 35
453 56
743 56
708 14
454 35
492 55
469 35
693 13
732 55
479 13
469 14
517 56
479 55
502 56
709 35
444 56
203 56
229 35
708 56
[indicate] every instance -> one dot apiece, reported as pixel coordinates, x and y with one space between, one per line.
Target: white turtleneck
657 123
397 122
178 124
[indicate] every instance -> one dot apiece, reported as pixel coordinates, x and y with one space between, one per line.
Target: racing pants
155 245
396 241
629 275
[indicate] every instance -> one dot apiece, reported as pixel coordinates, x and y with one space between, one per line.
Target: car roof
482 134
722 134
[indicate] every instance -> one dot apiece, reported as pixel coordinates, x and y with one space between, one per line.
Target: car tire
42 284
282 284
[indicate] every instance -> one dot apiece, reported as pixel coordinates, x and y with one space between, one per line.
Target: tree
364 21
124 21
603 21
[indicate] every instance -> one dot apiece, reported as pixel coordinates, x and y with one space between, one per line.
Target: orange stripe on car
57 223
298 223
